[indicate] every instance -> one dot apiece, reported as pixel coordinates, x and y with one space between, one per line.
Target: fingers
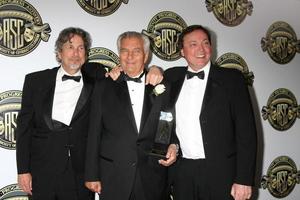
25 182
154 76
153 79
169 161
94 186
114 72
241 192
171 156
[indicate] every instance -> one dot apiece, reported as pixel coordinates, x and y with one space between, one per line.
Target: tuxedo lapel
148 101
83 98
176 87
124 98
47 95
212 85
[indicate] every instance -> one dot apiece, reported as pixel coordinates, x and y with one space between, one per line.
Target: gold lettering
168 41
281 44
6 36
282 114
12 37
282 181
101 4
10 125
229 11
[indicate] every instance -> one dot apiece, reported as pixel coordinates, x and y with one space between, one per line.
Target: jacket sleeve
25 127
245 132
94 71
92 165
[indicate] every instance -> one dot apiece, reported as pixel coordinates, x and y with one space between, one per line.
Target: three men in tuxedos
214 125
118 164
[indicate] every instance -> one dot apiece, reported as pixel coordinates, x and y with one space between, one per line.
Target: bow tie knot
190 74
136 79
74 78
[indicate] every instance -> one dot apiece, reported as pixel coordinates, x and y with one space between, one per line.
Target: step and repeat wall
258 37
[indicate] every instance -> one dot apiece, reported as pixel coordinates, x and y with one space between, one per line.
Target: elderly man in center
124 119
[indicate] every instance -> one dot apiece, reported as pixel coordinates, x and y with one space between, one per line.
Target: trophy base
159 154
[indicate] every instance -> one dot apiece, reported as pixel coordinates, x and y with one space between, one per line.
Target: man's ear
146 58
59 55
181 52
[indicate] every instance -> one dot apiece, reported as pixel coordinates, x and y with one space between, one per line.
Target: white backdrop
243 39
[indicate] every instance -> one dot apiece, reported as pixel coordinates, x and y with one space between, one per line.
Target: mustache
75 66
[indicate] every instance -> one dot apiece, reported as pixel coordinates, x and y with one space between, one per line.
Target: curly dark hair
66 34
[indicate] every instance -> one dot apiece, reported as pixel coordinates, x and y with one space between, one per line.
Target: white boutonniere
159 89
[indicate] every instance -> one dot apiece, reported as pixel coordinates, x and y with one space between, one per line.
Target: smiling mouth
74 66
200 56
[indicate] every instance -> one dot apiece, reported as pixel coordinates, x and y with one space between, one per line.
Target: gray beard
75 66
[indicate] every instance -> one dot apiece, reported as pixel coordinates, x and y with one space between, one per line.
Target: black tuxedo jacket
116 150
227 124
40 146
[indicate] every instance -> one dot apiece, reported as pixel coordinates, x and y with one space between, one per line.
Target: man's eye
137 51
123 51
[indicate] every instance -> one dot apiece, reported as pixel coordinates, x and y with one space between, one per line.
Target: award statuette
163 135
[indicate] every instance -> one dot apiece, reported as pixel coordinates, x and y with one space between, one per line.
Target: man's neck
71 71
133 75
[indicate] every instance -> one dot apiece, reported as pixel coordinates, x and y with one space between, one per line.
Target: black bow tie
67 77
137 79
190 74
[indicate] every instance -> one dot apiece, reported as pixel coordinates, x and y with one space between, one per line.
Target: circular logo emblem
21 28
235 61
10 105
230 13
101 7
281 177
12 192
163 31
281 110
281 42
104 56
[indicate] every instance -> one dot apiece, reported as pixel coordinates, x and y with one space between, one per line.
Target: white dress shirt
188 108
66 96
136 92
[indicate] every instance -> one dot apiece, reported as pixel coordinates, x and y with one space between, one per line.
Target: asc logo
163 31
281 177
230 12
235 61
10 105
101 7
281 110
281 42
21 28
103 56
12 192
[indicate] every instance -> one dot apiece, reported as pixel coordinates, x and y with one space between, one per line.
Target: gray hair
133 34
66 34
